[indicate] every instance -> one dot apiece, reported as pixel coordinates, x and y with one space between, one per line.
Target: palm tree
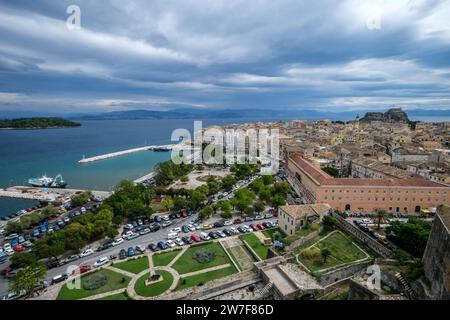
380 217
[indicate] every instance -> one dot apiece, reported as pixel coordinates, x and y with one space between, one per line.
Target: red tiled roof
326 180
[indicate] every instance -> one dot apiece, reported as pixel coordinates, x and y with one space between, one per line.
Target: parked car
83 269
140 248
153 247
221 234
117 241
207 226
259 217
227 223
179 242
185 229
227 232
70 258
157 218
195 237
218 224
268 215
86 253
130 252
166 224
187 240
248 219
260 226
100 262
254 227
59 278
144 231
132 236
241 229
122 254
51 264
175 230
155 227
170 243
191 227
162 245
213 234
204 236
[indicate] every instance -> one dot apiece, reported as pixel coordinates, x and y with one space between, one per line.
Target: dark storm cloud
225 54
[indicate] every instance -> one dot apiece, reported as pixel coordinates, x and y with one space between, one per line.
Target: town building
291 218
407 195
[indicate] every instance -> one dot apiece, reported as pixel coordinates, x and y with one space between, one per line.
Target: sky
331 55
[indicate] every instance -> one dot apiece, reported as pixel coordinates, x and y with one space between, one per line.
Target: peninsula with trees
37 123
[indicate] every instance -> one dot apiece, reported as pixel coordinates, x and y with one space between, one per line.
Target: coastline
41 128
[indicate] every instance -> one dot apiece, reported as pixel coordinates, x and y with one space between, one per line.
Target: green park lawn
114 281
269 233
186 263
119 296
133 265
163 259
257 246
155 289
343 251
202 278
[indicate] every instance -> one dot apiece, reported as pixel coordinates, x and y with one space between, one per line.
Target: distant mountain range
262 114
251 114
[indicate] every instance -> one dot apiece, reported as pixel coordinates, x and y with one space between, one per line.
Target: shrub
95 281
184 179
204 255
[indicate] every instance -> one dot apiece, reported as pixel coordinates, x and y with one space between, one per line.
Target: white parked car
172 235
227 223
170 243
9 251
204 236
175 230
165 218
191 227
7 246
234 230
117 242
83 210
179 242
101 262
86 253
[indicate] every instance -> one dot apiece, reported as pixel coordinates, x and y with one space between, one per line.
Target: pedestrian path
177 257
194 273
125 273
105 294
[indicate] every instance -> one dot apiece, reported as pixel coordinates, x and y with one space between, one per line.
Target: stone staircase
405 285
266 290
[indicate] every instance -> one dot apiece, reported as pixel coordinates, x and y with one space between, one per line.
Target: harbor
167 147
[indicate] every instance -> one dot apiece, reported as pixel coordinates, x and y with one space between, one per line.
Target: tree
380 217
278 201
184 179
265 195
206 212
27 278
81 199
228 182
167 203
411 236
267 179
14 227
196 199
325 253
49 211
179 203
259 207
76 236
23 259
213 187
281 188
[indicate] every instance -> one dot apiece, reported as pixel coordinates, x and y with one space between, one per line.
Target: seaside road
145 240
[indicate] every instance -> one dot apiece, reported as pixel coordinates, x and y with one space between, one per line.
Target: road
144 240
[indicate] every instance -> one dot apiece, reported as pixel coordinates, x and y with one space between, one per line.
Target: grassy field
242 257
163 259
202 278
114 282
134 265
342 249
156 288
253 241
186 263
119 296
